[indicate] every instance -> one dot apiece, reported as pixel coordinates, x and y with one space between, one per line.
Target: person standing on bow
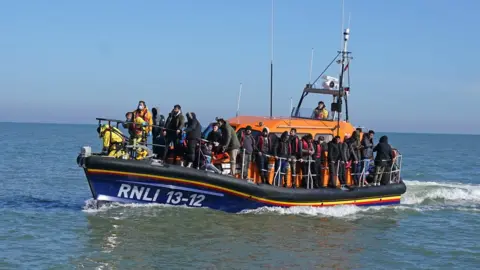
230 143
248 145
143 112
194 134
173 130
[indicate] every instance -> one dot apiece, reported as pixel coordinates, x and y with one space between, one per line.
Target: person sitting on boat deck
383 161
143 112
367 145
230 143
334 160
308 168
172 132
264 148
355 156
320 112
247 144
129 125
158 139
112 139
296 152
282 151
319 156
194 134
215 137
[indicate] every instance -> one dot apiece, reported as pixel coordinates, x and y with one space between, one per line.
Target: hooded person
308 161
193 131
355 156
367 145
334 159
264 148
282 151
230 143
215 137
112 140
173 129
248 145
143 112
383 161
159 143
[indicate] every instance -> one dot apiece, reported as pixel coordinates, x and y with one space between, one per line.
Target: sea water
48 220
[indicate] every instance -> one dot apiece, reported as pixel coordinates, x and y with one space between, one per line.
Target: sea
48 219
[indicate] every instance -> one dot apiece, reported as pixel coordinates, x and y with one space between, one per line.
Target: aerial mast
271 68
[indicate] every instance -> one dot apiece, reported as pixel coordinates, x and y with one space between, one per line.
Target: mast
344 54
238 100
271 68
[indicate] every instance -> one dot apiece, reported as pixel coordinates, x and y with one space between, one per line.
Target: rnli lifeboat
152 180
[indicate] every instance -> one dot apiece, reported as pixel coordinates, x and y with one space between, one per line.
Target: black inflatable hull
132 181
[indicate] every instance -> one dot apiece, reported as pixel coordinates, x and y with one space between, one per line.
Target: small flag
346 67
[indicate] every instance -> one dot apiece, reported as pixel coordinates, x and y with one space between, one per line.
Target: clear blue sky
415 64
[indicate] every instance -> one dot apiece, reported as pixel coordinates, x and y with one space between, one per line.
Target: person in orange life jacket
264 147
320 112
248 145
296 151
319 157
215 137
143 112
194 134
355 156
307 158
334 160
172 132
282 149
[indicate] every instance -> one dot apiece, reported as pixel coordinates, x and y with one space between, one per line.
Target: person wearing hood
320 112
230 143
334 160
248 145
355 156
112 141
264 148
345 151
296 151
282 149
173 129
143 112
383 161
194 134
157 135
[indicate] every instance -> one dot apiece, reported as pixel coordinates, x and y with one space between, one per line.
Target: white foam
419 192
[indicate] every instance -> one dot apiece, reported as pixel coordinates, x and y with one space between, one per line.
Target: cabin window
255 133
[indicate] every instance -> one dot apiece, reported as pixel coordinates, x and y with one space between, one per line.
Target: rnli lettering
150 194
140 193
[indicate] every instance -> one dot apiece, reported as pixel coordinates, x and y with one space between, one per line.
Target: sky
415 66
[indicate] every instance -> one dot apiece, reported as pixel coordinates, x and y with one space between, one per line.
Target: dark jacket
367 144
230 139
265 145
384 151
214 136
194 129
248 143
282 147
346 151
334 152
296 146
158 122
174 122
355 145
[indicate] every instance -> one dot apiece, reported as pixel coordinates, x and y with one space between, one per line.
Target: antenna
291 106
238 100
271 68
311 66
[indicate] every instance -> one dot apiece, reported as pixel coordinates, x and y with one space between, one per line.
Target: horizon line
92 124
